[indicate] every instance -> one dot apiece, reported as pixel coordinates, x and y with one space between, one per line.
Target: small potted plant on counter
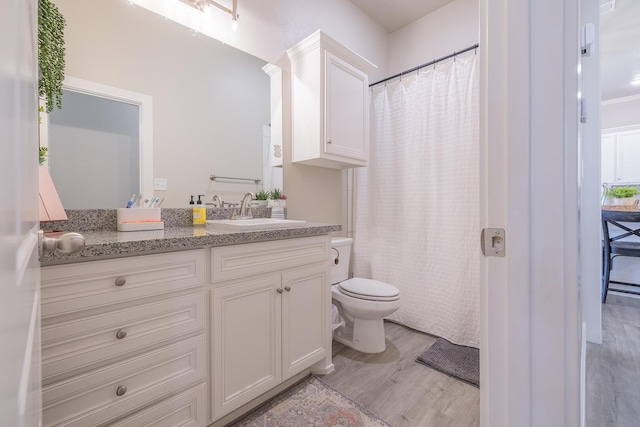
277 198
262 197
623 195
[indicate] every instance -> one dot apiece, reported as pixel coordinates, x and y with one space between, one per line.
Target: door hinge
492 241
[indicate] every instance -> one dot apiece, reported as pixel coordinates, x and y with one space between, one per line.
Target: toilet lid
369 289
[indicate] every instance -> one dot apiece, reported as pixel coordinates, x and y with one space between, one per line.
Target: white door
346 109
19 267
530 321
245 341
305 322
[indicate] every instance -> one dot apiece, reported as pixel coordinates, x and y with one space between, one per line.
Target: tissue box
139 219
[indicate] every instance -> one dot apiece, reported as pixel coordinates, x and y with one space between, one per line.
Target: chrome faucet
243 207
218 200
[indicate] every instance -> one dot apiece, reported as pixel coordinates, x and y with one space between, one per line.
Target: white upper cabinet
621 157
330 104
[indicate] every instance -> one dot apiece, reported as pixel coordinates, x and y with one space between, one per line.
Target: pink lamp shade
51 208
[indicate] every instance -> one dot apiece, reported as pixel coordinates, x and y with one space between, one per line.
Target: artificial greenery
262 195
622 192
51 53
275 194
42 154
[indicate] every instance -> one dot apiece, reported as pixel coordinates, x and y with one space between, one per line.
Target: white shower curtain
417 203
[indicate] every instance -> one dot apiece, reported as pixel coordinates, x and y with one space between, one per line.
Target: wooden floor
400 391
613 368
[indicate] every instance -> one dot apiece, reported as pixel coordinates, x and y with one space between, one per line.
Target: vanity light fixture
200 5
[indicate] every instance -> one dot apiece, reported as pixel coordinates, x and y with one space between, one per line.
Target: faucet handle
234 210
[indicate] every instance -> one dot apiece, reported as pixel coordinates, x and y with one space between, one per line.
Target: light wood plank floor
613 368
400 391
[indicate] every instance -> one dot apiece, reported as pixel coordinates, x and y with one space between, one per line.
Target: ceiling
620 50
619 37
395 14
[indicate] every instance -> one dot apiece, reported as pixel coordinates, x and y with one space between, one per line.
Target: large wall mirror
211 111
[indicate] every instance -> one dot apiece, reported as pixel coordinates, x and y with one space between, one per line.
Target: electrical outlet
160 184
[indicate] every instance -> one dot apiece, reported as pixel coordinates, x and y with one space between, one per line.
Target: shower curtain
417 203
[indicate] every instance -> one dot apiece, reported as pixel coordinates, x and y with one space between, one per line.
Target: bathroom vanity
182 327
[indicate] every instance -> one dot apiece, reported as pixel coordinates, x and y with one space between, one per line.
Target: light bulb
234 23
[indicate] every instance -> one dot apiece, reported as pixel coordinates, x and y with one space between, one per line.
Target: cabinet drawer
187 409
70 346
230 262
74 287
91 399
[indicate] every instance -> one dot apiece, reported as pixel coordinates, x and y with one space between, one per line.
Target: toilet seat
368 289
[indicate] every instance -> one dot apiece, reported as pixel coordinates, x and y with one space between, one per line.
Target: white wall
620 112
453 27
210 101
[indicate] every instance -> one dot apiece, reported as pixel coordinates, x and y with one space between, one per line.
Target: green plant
51 53
275 194
262 195
622 192
42 154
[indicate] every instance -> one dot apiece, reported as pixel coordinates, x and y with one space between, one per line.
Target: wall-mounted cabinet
330 104
620 158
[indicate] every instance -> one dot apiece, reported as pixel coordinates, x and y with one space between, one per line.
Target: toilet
362 303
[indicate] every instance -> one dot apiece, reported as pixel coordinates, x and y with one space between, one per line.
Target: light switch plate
160 184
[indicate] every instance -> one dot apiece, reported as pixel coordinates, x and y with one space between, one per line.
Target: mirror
103 134
211 108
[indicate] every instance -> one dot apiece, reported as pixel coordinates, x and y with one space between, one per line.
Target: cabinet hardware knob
120 391
287 288
329 142
279 290
121 334
120 281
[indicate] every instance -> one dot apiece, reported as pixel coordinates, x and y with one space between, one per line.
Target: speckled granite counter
105 244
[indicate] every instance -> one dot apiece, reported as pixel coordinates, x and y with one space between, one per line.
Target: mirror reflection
211 110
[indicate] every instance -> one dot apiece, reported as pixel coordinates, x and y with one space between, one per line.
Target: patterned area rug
459 361
311 403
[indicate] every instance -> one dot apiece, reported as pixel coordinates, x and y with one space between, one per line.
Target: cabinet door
305 318
346 109
628 157
608 159
246 342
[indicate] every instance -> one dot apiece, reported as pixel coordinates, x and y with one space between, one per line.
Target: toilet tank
340 250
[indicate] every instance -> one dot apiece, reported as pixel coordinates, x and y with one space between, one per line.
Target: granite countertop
104 244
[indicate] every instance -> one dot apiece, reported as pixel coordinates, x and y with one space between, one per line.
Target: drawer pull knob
279 290
287 288
120 281
121 334
120 391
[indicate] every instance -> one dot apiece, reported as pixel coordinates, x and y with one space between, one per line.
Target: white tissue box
139 219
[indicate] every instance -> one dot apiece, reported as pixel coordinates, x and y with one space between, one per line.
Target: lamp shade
51 208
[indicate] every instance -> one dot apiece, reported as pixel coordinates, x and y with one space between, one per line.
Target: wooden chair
613 246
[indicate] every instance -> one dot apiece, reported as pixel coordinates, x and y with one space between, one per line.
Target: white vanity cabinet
270 316
124 341
330 104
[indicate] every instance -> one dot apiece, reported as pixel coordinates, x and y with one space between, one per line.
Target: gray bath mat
459 361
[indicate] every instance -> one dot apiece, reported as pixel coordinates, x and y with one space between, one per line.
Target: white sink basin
252 224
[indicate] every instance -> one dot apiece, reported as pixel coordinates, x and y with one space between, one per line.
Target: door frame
530 305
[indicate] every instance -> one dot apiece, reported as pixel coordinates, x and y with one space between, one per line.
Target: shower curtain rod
435 61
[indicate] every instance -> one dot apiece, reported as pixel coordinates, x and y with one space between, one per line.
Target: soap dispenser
199 211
